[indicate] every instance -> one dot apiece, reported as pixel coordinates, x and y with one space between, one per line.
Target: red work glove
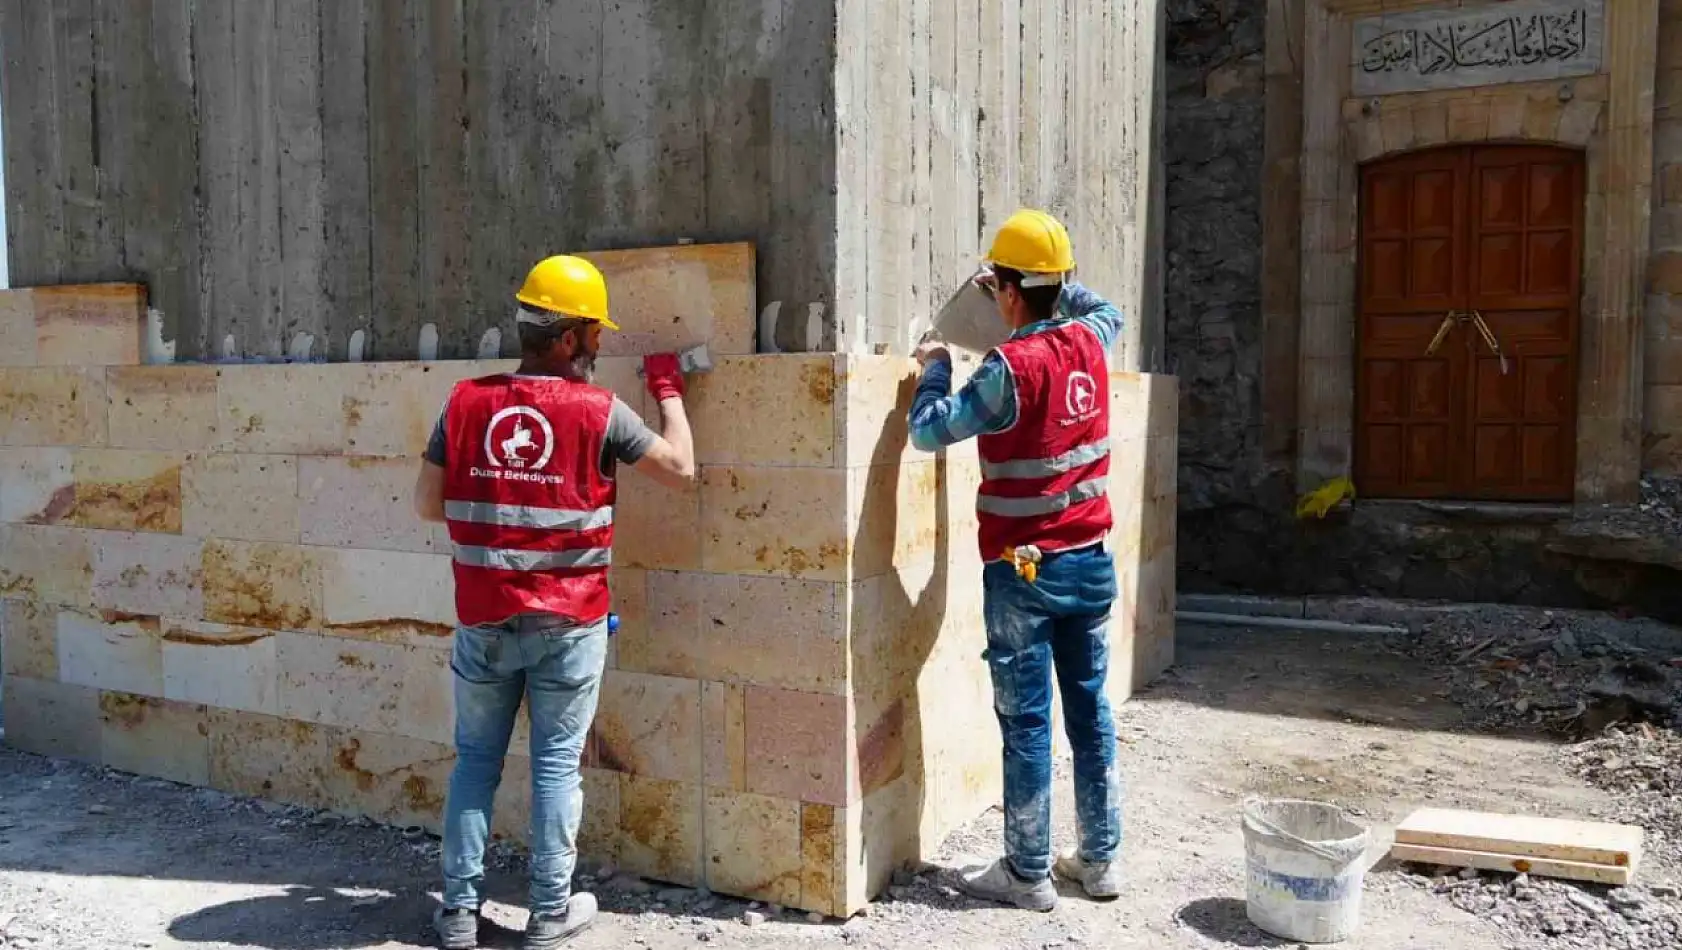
664 376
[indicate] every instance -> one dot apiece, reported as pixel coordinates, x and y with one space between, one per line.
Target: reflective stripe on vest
515 559
524 516
1040 505
1045 468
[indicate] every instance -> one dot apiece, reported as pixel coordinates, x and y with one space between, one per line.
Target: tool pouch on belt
1026 559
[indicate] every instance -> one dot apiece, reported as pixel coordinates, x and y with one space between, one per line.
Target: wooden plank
347 221
1491 861
668 298
1560 839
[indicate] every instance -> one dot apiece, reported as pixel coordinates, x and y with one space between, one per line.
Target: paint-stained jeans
1057 623
558 670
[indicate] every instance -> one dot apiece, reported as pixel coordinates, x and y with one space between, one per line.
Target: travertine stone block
49 563
364 502
628 587
765 410
288 409
649 726
660 829
260 584
389 778
37 483
386 688
52 406
668 298
89 324
874 400
754 846
892 517
765 521
387 595
28 639
46 718
217 665
111 652
724 735
391 408
125 490
765 631
240 497
157 737
152 574
822 835
656 527
167 408
792 750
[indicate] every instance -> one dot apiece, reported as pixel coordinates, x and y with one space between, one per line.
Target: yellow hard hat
1035 243
568 287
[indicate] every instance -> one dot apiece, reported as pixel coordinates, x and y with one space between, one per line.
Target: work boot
547 931
1101 881
997 882
457 927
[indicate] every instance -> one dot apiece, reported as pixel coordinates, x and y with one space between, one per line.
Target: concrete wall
213 575
1663 442
952 115
271 168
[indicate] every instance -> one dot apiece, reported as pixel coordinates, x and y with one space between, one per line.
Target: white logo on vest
518 444
1080 398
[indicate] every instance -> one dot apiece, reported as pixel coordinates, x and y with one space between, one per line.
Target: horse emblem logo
519 437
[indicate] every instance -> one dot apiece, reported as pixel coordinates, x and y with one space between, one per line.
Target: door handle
1490 340
1442 332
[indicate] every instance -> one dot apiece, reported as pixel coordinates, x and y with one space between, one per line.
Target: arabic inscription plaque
1455 47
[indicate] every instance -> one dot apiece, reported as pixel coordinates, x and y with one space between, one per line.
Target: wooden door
1466 363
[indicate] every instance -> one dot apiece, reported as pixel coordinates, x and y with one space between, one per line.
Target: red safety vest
1045 480
529 511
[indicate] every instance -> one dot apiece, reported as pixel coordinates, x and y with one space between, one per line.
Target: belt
1026 558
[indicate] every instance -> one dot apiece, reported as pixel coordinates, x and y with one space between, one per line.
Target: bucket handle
1252 815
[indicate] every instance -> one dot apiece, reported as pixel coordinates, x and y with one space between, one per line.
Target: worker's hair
535 339
1042 301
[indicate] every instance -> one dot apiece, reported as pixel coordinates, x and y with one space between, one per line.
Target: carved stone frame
1609 115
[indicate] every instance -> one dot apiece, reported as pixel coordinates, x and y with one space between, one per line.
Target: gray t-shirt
628 439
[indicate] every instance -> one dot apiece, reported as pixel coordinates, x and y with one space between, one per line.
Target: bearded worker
521 468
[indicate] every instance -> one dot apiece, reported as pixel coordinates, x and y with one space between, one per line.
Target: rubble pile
1538 912
1659 511
1566 672
1643 766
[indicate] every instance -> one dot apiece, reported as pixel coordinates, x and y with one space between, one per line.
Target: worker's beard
582 367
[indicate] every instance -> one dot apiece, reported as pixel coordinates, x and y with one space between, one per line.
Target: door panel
1493 231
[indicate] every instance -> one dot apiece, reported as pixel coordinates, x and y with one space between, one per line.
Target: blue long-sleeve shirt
987 403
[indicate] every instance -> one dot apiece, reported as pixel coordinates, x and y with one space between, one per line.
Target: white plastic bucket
1306 866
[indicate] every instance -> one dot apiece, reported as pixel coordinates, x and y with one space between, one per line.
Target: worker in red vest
1039 407
521 468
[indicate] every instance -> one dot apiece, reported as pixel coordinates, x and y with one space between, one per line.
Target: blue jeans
1058 622
557 668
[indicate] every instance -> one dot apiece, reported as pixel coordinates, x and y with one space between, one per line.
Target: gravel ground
96 859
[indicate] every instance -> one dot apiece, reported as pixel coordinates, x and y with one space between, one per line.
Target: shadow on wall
893 745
